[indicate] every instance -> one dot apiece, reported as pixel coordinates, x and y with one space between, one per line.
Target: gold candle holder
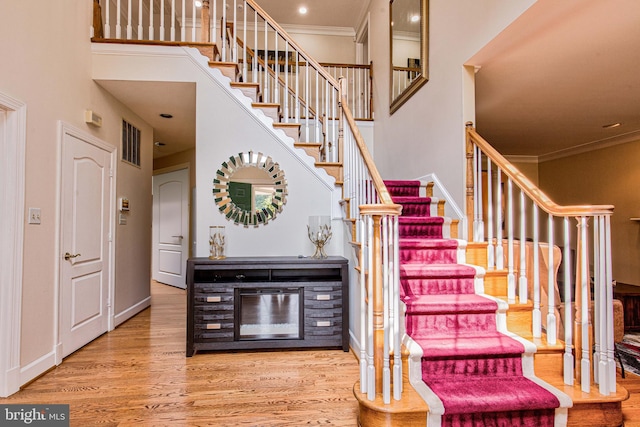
319 230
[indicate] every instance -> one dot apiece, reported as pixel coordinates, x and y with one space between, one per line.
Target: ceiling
545 86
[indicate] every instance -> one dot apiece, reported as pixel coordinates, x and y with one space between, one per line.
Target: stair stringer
243 100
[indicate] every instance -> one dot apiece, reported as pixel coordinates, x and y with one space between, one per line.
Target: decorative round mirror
250 188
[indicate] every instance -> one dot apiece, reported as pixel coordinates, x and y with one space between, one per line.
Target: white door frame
12 168
67 129
154 240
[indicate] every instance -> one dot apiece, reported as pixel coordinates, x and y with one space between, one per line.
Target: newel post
470 181
205 36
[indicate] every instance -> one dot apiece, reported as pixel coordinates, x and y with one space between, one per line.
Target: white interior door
171 227
85 246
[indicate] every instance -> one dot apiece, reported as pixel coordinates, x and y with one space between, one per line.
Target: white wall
46 64
426 135
224 127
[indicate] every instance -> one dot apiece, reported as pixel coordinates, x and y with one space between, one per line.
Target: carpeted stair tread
494 394
418 270
449 303
420 220
418 243
465 346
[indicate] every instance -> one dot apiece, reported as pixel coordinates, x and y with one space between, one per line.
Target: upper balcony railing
522 226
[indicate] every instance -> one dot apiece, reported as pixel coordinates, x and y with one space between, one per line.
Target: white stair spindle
568 359
363 315
537 315
151 29
306 97
386 366
234 42
118 26
551 283
183 22
601 302
107 17
254 70
522 281
371 381
161 20
511 276
491 252
499 222
223 31
318 118
129 27
276 85
397 356
245 52
140 29
585 363
610 325
173 20
193 21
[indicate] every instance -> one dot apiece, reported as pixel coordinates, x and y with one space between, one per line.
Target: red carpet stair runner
476 373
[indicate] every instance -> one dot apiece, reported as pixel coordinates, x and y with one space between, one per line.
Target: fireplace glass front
269 314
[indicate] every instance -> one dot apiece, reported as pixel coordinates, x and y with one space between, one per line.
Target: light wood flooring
138 375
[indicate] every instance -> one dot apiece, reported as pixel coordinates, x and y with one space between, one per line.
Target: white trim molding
12 169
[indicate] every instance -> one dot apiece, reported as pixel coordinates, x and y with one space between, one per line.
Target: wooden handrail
534 193
390 207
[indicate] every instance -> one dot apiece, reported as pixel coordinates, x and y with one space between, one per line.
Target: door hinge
109 237
110 173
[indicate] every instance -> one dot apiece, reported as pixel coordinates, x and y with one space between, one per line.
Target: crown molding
591 146
319 30
522 159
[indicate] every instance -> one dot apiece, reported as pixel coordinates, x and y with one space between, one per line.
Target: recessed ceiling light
612 125
159 144
302 10
166 115
198 3
415 18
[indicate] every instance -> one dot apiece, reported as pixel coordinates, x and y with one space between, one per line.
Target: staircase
477 373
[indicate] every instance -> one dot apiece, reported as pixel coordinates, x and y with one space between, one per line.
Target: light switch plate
34 216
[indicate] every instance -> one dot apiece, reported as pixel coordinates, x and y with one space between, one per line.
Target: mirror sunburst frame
400 92
238 214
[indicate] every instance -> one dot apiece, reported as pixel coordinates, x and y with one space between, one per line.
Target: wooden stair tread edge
307 144
265 105
413 403
578 396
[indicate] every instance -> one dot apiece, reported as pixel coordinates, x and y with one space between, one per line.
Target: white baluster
386 370
537 315
173 20
118 26
363 314
161 20
551 286
129 28
306 97
397 356
604 309
522 282
610 325
568 359
254 70
235 31
277 69
151 29
596 321
317 121
511 276
140 28
183 22
107 16
585 363
499 222
491 252
245 53
371 380
193 21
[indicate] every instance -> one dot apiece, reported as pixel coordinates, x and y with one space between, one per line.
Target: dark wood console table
245 303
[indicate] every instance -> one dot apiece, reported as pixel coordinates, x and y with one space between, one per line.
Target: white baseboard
37 367
127 314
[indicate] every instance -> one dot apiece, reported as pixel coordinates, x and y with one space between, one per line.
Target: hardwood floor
139 375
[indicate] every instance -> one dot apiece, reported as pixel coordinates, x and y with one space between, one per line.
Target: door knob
68 256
